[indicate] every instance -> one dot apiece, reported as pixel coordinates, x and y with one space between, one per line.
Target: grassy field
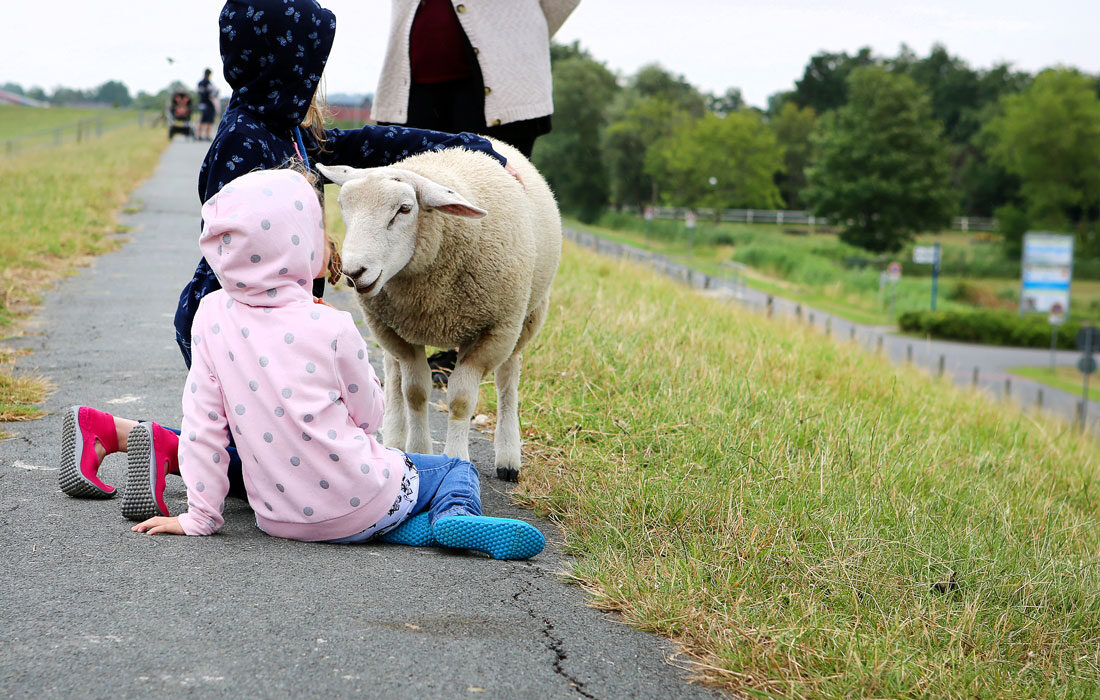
58 206
806 519
36 127
1064 378
821 271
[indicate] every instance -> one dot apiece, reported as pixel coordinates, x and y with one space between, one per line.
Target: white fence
792 217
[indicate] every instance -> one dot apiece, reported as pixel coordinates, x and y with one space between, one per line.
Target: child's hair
335 274
316 115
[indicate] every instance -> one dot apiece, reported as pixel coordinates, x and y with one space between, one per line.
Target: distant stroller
178 114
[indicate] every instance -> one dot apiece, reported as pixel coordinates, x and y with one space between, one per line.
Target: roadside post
647 215
1057 318
893 274
929 255
689 222
1088 342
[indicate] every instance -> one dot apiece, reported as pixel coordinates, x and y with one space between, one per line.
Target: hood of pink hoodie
263 236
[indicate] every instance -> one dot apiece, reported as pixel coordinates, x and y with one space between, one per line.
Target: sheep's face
381 219
381 209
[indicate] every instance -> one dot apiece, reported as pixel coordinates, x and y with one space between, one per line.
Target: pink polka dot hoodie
289 378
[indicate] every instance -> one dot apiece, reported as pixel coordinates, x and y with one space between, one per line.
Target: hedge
989 328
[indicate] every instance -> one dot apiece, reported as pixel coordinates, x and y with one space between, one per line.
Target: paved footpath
89 609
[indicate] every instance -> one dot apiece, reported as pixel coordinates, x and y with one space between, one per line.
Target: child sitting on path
290 380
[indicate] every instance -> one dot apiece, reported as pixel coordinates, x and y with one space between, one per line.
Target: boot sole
69 477
138 501
500 538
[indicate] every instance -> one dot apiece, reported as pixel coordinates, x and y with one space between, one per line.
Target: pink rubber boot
81 428
151 456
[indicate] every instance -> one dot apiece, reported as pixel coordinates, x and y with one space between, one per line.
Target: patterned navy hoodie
273 53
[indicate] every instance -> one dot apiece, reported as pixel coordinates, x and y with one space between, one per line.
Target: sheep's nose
354 274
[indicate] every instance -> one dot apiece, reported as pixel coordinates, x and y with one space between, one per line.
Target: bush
989 328
789 263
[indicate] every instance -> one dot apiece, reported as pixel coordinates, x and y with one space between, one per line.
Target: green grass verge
58 206
22 122
1064 378
807 520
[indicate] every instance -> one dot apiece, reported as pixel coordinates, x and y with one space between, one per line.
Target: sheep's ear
436 196
340 174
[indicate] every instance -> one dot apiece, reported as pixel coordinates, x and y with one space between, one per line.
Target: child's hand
318 300
160 525
515 173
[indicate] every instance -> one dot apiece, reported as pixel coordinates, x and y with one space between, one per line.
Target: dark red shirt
437 44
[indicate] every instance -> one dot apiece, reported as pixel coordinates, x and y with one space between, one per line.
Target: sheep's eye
404 209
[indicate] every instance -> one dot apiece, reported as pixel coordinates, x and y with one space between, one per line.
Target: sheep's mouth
368 288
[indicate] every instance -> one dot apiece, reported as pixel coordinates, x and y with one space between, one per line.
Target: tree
882 172
569 156
637 123
654 81
793 127
727 103
824 83
1049 137
113 93
718 162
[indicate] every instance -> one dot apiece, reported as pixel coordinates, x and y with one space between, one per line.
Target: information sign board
924 254
1047 270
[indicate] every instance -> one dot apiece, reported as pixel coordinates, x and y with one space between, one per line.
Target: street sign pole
1056 318
935 273
1088 342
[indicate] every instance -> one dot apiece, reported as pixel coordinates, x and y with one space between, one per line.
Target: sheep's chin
372 289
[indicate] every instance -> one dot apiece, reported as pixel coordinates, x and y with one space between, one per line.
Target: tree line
886 146
110 94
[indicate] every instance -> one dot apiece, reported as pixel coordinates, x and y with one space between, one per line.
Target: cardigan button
460 9
496 122
487 91
477 51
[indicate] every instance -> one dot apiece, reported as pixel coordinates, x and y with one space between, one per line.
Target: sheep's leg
417 386
462 390
393 422
507 439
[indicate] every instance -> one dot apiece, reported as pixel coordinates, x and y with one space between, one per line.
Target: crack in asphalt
554 643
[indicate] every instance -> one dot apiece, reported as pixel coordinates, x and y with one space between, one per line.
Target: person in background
482 67
207 108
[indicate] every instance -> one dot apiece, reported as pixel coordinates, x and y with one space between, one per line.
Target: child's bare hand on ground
160 525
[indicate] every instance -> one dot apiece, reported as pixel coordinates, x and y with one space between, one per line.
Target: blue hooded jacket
273 53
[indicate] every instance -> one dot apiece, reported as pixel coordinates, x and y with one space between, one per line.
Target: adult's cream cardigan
511 39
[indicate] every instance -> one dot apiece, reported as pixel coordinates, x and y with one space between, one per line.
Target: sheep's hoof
508 474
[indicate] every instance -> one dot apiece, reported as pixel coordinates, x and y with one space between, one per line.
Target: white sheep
447 249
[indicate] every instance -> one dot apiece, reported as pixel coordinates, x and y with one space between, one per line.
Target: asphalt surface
90 609
961 362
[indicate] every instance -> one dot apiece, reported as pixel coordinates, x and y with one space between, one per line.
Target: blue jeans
448 486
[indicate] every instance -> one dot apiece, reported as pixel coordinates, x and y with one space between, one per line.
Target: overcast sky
761 47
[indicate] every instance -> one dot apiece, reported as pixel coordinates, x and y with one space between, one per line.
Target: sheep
447 249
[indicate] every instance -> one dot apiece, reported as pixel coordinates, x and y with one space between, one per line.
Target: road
92 610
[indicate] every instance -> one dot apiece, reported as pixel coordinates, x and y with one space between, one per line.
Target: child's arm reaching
360 388
372 145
